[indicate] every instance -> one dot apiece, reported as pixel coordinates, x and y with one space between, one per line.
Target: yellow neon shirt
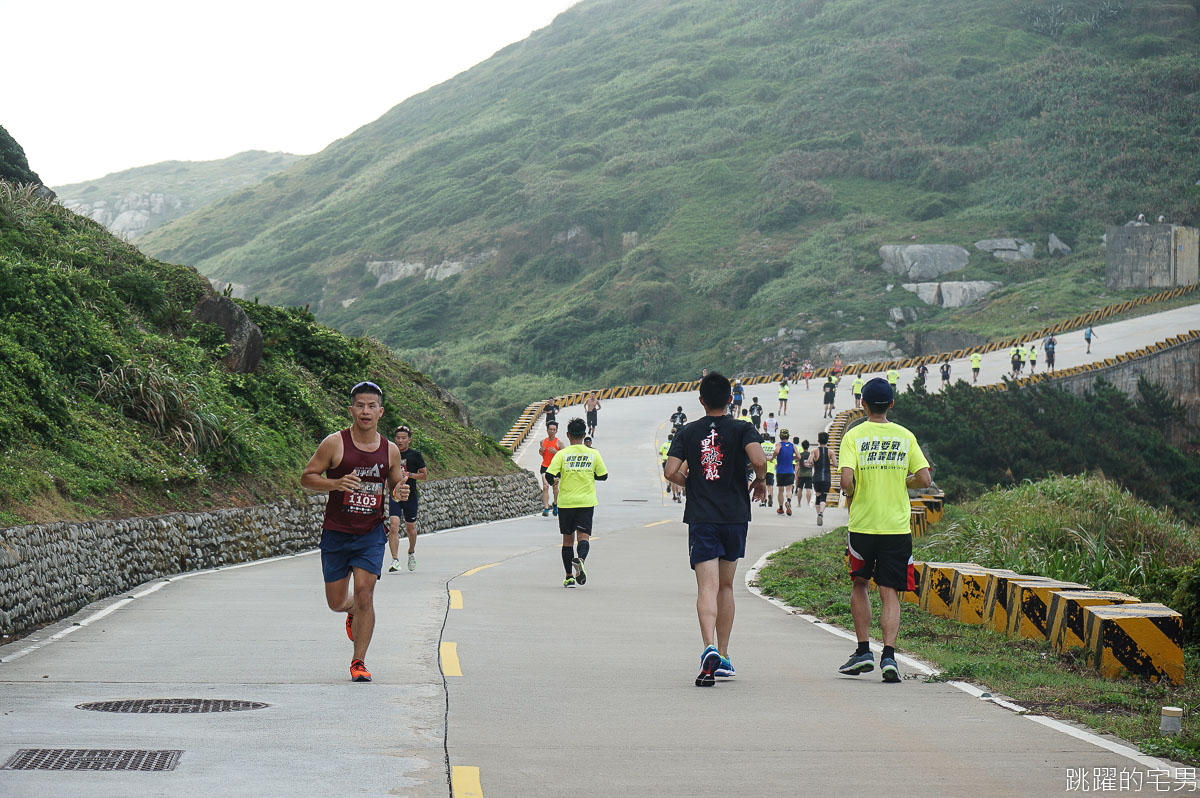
893 377
783 391
578 466
662 451
859 382
882 456
976 359
768 448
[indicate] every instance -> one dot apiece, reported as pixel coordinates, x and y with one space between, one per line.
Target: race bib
367 500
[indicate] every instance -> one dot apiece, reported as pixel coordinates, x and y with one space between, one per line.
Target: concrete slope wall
48 571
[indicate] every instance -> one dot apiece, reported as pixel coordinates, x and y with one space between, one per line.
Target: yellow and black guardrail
528 419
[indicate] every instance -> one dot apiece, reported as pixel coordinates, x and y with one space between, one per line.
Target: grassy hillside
13 165
761 153
114 402
184 186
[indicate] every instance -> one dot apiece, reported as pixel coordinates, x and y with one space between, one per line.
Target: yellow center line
480 568
464 782
450 664
456 601
658 523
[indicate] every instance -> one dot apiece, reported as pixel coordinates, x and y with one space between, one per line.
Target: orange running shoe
359 672
349 627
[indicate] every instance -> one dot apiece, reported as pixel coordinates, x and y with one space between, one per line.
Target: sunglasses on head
366 385
402 429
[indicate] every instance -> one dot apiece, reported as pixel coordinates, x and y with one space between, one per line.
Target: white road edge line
164 581
1087 736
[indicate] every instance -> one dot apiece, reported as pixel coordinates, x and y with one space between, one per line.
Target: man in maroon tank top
356 466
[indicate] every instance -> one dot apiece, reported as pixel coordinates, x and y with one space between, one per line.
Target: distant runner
768 447
1014 354
678 419
1023 354
551 413
893 377
547 449
756 413
1051 345
880 460
823 461
1088 334
738 393
945 370
922 374
579 468
592 406
771 425
806 371
709 456
414 464
1032 358
785 472
976 362
837 366
856 386
830 389
783 397
356 463
804 476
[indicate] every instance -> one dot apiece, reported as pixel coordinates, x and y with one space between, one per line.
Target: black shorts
886 558
975 371
716 541
829 400
821 489
770 478
785 480
543 470
406 508
756 421
803 482
592 417
575 519
857 396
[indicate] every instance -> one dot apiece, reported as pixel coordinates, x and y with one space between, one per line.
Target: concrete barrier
937 591
918 522
1065 625
1141 640
995 602
934 506
970 591
1029 604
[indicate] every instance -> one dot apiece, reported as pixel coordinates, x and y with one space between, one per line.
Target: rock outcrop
389 271
923 261
243 336
862 351
1007 249
1056 247
954 294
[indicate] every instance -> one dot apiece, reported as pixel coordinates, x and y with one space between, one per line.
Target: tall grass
1081 528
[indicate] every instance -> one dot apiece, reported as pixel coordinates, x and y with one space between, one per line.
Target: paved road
581 692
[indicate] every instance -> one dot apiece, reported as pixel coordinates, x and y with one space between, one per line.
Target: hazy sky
94 88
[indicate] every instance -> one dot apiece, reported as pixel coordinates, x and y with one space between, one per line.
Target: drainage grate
173 706
91 759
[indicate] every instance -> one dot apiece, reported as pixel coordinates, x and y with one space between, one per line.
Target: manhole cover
91 759
173 706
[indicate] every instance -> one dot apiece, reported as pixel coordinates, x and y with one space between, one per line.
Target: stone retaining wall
48 571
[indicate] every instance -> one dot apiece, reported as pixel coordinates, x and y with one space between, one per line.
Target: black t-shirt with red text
714 448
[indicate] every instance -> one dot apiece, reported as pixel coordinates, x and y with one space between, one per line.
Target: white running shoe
394 568
412 563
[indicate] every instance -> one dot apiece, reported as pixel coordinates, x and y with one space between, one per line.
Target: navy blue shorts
713 541
406 508
341 552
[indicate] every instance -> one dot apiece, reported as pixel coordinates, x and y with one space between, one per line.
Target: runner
709 457
1088 334
823 461
859 382
807 372
587 441
662 458
785 472
1014 355
768 447
837 366
783 396
547 449
678 419
1023 354
1051 345
356 463
880 461
771 425
945 370
592 406
976 362
922 374
414 464
804 476
893 377
830 388
551 413
579 467
1032 359
756 411
738 394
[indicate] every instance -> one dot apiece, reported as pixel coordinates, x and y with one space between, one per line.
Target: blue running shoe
859 664
709 661
556 509
725 669
887 667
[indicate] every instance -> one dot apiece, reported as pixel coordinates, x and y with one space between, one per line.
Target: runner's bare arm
921 479
758 461
328 454
397 476
848 482
674 471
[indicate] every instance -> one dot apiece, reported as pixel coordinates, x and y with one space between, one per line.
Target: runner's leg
708 582
889 614
410 528
364 611
394 536
860 609
725 604
568 552
337 595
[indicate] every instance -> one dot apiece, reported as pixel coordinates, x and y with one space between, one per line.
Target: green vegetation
13 165
185 185
811 575
761 151
113 401
978 439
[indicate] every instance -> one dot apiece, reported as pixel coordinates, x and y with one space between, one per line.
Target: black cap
877 392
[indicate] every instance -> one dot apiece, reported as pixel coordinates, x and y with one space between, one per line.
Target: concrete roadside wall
48 571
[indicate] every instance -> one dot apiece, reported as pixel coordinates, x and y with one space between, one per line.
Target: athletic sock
584 547
568 554
863 647
888 651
